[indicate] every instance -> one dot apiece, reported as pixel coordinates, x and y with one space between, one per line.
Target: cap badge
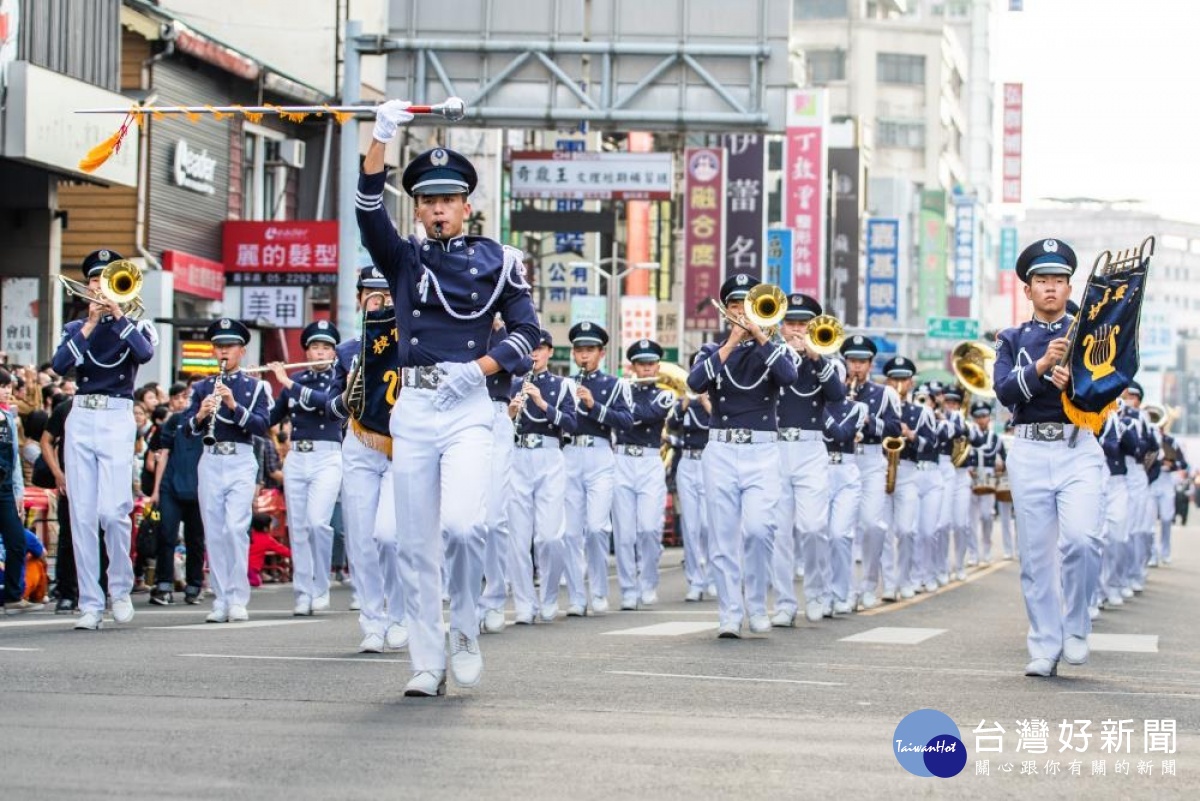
226 323
438 158
645 343
104 255
858 340
322 325
742 279
1050 246
585 327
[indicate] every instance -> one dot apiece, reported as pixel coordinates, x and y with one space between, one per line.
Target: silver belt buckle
95 401
529 440
1048 432
583 440
741 436
693 453
224 448
634 450
304 445
789 434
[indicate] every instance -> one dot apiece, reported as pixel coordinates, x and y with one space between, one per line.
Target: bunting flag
453 109
1103 355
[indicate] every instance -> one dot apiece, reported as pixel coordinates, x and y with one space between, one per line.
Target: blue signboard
883 273
779 257
1008 248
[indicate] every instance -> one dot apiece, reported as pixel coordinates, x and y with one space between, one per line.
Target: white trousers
803 517
1116 535
872 523
496 548
693 520
589 499
98 456
536 519
946 523
369 518
741 483
639 501
845 492
983 517
1004 512
901 509
1162 494
926 559
441 469
1141 519
226 491
960 519
1056 498
311 481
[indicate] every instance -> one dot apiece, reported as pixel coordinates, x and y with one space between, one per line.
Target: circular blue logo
927 743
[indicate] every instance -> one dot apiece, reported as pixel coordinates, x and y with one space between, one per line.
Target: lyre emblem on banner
1104 341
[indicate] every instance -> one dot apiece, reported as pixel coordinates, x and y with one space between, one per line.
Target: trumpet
210 436
120 283
892 448
824 335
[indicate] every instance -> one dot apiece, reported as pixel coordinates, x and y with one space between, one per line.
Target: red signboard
1013 96
305 246
703 235
194 275
804 183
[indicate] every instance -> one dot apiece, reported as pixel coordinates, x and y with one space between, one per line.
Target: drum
983 484
1003 491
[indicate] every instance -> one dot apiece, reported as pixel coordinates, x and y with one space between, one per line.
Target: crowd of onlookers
39 402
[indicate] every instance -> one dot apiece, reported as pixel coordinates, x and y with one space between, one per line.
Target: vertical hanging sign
745 205
804 187
1013 102
703 235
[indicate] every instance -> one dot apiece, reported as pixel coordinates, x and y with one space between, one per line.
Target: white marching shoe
693 594
396 637
426 684
238 614
90 621
303 606
321 603
1075 650
493 621
122 609
371 644
760 624
784 619
466 661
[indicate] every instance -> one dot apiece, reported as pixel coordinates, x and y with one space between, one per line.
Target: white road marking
19 649
51 621
893 635
1129 643
672 629
247 624
1191 696
722 678
376 660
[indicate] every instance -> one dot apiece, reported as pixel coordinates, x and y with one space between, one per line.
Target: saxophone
892 447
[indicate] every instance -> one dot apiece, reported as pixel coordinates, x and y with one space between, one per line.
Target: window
900 68
819 9
264 178
826 65
908 134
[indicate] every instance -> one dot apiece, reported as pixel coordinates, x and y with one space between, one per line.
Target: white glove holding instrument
457 381
388 117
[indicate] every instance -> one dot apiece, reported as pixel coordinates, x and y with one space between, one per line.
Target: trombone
120 283
972 364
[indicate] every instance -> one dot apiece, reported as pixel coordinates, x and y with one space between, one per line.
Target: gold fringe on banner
1093 421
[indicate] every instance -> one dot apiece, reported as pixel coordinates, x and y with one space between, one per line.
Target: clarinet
210 436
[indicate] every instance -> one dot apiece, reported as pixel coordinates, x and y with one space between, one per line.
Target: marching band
467 469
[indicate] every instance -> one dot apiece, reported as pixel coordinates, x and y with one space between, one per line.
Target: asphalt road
594 708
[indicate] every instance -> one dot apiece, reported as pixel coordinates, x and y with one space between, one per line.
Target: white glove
458 379
388 117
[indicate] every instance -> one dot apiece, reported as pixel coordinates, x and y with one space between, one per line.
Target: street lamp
614 276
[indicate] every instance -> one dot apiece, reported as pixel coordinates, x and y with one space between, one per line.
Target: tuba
892 448
120 282
972 363
825 334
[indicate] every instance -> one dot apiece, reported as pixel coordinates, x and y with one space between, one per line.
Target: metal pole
348 179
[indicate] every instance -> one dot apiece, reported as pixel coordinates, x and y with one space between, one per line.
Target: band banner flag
1104 346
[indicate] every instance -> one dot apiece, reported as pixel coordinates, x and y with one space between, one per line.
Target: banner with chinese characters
963 285
195 275
19 331
1008 248
592 176
779 257
1011 146
931 276
804 189
745 204
639 320
703 236
278 305
845 176
883 274
293 246
558 283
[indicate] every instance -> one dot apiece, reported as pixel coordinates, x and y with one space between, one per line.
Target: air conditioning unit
291 153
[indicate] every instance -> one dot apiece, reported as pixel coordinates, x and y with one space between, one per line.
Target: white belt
421 377
535 441
691 453
588 441
799 435
742 436
229 448
1044 432
636 450
309 445
101 402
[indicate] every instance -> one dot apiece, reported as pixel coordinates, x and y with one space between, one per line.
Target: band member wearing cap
844 421
984 465
382 583
497 548
1165 464
956 530
640 488
543 411
1119 441
919 430
105 350
446 289
883 420
1056 469
743 375
242 406
930 491
688 423
1141 509
947 402
312 474
603 406
803 510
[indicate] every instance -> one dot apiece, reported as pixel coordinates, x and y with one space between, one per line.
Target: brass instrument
892 448
671 377
355 394
765 306
1161 417
120 283
824 334
960 450
972 363
210 436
